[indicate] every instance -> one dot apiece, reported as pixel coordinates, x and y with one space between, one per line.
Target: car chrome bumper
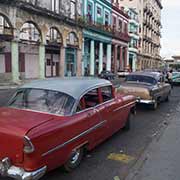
143 101
8 170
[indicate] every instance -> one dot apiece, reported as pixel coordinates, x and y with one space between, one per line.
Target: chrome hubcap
75 156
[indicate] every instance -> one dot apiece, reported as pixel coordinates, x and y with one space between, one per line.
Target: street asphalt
118 157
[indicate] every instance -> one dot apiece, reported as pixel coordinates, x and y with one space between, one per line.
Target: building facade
51 38
39 39
134 42
120 40
150 31
105 37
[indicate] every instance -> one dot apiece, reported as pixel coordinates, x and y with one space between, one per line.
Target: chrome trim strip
75 138
146 101
122 107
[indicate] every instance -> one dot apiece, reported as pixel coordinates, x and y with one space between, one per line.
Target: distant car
123 73
176 77
108 75
148 87
50 123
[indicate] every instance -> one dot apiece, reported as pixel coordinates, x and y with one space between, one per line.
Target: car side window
107 94
90 99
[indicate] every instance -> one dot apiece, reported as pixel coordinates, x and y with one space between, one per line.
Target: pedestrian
170 77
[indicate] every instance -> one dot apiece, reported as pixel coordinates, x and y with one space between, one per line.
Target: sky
171 28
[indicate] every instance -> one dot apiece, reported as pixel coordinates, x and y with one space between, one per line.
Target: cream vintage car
149 88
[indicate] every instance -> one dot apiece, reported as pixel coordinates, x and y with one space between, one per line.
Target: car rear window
141 79
43 100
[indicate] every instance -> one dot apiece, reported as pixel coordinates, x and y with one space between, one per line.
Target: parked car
50 123
108 75
122 74
148 87
176 77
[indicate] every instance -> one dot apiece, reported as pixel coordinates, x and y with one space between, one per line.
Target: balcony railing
121 35
133 46
90 24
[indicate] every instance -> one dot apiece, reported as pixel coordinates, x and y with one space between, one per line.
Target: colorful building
105 37
51 38
134 42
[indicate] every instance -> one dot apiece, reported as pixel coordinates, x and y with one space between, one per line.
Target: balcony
133 48
133 34
121 35
88 23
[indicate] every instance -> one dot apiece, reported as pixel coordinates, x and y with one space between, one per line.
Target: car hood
19 122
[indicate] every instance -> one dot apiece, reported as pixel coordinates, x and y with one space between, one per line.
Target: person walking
170 77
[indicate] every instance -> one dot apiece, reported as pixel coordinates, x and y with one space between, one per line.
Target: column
100 57
42 61
115 58
82 63
62 61
15 61
92 58
108 66
125 58
79 62
134 63
120 60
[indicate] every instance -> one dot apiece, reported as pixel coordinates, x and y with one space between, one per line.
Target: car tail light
28 146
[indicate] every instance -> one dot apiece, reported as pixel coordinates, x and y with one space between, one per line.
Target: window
73 9
90 99
120 25
55 6
99 12
107 93
114 22
90 11
141 79
106 18
43 100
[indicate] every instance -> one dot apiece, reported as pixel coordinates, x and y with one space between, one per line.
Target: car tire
154 105
74 160
128 123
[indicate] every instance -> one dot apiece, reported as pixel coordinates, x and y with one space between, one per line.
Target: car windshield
43 100
141 79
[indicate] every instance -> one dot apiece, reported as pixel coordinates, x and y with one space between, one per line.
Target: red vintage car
49 123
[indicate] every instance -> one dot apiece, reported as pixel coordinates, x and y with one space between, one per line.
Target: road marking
120 157
116 178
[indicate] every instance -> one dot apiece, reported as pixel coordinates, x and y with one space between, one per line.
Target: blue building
134 42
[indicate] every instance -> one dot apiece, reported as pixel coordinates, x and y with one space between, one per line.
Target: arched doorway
54 42
30 39
71 54
6 35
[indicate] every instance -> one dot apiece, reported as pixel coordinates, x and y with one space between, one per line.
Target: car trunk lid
14 125
140 91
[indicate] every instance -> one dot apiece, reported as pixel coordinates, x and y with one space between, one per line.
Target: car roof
72 86
155 75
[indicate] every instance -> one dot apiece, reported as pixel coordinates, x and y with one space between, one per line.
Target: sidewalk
162 159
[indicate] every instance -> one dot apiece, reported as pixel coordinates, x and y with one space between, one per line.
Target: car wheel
154 105
128 123
74 160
